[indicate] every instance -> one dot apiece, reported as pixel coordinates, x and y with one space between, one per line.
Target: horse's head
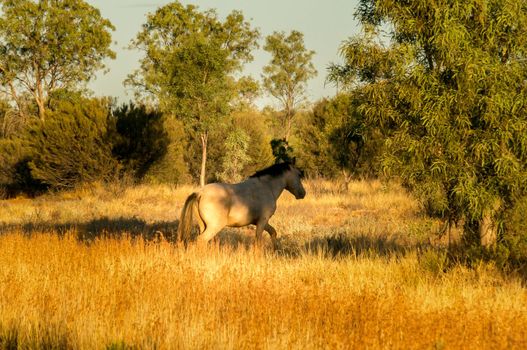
293 182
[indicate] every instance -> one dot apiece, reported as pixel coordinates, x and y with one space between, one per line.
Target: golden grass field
91 269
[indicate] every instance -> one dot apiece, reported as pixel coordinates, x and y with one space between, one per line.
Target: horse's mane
274 170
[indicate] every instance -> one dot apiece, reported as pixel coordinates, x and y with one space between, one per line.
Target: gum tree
449 91
47 45
190 62
286 76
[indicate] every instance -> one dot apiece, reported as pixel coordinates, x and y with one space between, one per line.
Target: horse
253 201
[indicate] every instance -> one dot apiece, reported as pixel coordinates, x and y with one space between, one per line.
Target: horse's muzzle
301 195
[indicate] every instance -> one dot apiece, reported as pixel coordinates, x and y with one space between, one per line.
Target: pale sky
325 25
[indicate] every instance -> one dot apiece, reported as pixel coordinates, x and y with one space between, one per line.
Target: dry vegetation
92 269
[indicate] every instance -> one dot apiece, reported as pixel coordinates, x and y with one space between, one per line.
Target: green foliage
15 172
171 167
48 45
141 138
189 65
286 76
248 90
516 238
259 151
215 144
11 152
73 145
177 37
235 156
449 93
15 154
336 138
10 122
316 149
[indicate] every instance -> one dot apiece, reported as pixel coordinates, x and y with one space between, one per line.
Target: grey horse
252 201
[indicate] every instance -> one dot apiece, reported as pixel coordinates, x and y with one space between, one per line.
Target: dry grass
353 272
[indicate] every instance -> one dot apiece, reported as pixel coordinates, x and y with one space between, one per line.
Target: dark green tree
141 138
73 145
450 92
282 151
15 173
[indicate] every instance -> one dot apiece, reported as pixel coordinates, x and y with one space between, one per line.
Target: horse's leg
260 226
213 219
208 234
273 234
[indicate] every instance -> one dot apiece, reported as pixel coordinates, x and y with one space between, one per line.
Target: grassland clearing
93 268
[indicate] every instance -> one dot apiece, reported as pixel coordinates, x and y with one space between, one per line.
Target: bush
259 151
171 167
12 152
336 138
73 145
235 156
15 172
515 233
141 138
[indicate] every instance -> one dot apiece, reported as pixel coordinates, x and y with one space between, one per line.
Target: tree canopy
286 76
189 64
449 91
47 45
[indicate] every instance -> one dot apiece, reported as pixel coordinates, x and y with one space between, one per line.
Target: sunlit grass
354 271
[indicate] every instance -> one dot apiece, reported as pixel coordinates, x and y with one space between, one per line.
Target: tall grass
354 271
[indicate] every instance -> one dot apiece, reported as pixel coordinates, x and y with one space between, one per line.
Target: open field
92 269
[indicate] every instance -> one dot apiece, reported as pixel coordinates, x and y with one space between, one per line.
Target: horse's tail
189 211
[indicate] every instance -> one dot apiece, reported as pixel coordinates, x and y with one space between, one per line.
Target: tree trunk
41 109
39 93
288 121
204 138
287 129
488 232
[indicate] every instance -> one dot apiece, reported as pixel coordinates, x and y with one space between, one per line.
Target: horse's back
235 204
216 194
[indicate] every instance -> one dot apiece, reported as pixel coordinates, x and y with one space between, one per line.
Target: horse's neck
275 184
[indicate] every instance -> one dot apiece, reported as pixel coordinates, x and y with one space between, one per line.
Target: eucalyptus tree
47 45
286 76
190 62
449 91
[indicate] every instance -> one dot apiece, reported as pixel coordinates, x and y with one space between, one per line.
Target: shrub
15 172
72 145
235 157
336 138
141 138
259 149
12 152
171 167
515 233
